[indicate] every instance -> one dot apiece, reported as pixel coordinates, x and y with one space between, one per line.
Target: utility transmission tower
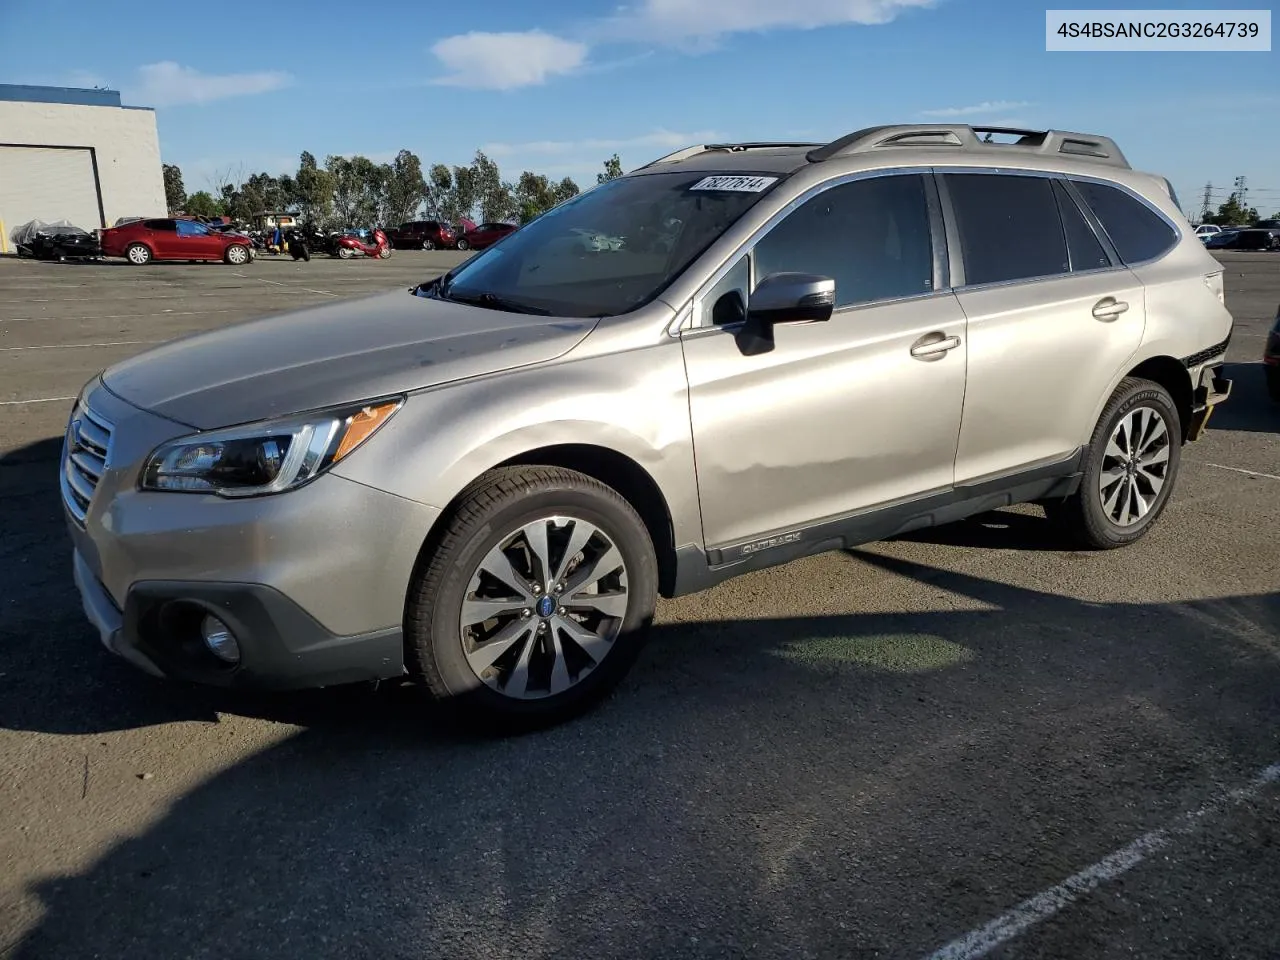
1242 192
1204 204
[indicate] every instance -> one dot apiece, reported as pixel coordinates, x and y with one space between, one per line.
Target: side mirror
784 298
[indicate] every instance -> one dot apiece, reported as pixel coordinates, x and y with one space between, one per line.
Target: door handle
933 346
1108 309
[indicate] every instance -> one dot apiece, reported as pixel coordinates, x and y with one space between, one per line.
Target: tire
1273 383
1096 519
346 253
139 254
384 253
428 244
237 255
463 245
450 658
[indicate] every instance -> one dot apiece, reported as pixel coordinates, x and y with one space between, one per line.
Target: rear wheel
463 245
346 253
1129 469
139 254
536 599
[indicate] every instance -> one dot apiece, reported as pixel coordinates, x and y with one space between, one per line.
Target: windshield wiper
500 303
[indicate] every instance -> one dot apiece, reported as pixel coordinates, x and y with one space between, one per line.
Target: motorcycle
298 247
348 246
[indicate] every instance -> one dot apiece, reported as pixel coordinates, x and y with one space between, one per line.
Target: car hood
338 353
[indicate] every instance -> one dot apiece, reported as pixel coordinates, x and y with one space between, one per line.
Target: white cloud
169 84
657 140
504 61
699 23
987 107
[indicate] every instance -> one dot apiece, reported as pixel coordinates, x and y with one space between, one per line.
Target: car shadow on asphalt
883 779
1249 408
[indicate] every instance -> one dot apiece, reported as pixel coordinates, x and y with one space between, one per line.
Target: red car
421 235
485 235
142 241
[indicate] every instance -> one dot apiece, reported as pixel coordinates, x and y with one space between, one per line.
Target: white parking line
1045 904
1248 473
293 286
75 346
121 316
14 403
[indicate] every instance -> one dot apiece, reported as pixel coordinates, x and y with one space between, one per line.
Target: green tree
359 187
175 195
566 189
495 198
203 204
439 199
313 191
612 170
1232 213
534 195
406 188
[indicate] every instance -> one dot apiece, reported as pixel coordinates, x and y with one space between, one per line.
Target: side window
872 237
1082 243
187 228
1009 227
1135 230
167 225
727 301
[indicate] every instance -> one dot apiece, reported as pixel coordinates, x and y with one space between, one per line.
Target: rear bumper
281 646
1212 390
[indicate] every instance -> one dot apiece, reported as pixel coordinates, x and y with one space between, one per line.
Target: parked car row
435 235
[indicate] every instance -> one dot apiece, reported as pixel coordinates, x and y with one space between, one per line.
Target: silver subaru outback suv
734 356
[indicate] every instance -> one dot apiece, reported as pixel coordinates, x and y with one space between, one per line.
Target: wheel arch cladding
626 476
1173 376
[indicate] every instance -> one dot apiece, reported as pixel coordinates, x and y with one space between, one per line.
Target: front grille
84 459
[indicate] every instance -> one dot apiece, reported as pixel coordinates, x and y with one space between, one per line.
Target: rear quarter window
1136 231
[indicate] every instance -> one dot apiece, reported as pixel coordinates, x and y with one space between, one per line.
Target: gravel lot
872 754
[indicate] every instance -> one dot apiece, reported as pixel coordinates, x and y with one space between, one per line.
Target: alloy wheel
237 255
1135 466
544 607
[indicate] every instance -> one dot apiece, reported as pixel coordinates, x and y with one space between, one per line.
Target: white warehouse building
78 155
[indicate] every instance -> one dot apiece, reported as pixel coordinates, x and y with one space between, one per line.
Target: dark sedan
1245 238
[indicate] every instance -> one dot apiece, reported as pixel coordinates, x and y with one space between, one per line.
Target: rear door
162 237
1053 319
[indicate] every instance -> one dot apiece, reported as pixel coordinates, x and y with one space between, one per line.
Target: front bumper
311 582
282 647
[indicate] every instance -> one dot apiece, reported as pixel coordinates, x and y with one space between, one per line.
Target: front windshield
610 250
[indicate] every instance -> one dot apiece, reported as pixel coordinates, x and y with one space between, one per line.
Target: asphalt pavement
964 742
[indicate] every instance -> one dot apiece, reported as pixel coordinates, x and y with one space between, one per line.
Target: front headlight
266 457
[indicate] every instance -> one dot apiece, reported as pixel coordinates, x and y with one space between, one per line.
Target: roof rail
1086 146
693 151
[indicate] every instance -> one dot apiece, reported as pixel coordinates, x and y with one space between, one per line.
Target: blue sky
557 87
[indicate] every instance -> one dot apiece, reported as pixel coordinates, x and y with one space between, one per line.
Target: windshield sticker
735 184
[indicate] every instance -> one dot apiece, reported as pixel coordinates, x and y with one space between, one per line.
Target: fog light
220 640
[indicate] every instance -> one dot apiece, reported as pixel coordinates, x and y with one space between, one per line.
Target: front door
861 410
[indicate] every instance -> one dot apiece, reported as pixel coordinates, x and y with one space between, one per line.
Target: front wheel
237 255
428 244
1129 469
384 253
535 600
463 245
